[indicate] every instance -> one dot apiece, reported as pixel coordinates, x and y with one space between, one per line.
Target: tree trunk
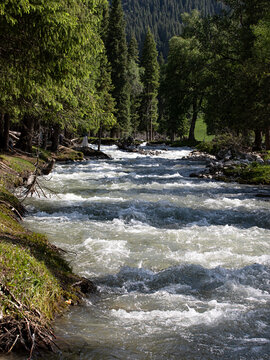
44 142
1 131
258 140
99 137
55 137
6 132
151 129
267 138
195 108
25 141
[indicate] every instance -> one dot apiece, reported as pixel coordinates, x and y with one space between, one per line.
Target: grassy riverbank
36 283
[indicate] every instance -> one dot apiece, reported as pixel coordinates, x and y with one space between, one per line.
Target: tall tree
116 47
239 92
150 80
135 84
185 84
49 67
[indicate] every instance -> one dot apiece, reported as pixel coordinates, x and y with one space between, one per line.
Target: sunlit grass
201 131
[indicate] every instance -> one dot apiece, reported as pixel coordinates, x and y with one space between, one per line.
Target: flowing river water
182 265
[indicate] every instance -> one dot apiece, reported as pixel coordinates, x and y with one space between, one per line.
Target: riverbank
36 283
228 159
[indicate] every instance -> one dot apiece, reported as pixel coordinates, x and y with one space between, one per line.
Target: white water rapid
182 264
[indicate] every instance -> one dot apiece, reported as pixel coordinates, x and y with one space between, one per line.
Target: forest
163 17
68 68
175 257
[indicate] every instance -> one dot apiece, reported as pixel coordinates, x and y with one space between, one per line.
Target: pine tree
135 84
116 47
150 80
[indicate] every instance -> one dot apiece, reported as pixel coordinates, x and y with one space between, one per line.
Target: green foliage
225 141
44 155
67 154
219 67
52 64
252 174
184 84
135 84
238 94
266 155
116 48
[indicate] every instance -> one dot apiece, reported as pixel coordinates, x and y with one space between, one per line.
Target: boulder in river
92 153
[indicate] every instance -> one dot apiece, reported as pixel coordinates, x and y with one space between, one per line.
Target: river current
182 265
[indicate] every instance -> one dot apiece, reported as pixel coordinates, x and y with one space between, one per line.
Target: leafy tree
50 64
186 79
150 81
237 95
261 55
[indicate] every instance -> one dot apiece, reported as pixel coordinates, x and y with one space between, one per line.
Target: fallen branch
12 208
17 337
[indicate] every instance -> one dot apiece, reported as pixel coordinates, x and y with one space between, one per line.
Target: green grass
201 131
29 281
18 164
44 155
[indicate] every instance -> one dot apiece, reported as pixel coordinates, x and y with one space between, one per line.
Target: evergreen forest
75 68
163 17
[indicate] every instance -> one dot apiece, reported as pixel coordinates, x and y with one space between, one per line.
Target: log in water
182 264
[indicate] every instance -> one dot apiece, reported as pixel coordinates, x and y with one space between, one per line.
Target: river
182 265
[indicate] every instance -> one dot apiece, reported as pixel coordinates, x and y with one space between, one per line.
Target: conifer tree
48 66
150 80
135 84
116 47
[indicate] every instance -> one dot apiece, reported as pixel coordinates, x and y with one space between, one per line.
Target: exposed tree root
27 331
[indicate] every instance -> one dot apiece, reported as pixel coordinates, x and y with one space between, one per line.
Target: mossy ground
67 154
36 282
